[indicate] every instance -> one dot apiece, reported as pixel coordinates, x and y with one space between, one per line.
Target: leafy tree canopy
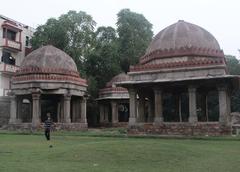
102 63
135 34
72 32
102 54
234 69
233 65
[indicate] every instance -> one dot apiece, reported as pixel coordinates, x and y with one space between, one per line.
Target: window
11 35
7 58
27 41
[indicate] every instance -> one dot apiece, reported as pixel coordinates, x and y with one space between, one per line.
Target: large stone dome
48 64
182 39
49 57
183 34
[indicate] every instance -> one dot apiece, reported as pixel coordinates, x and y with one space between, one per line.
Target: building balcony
11 25
11 45
6 68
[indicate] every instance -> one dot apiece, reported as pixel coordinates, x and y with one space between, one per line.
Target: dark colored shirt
48 123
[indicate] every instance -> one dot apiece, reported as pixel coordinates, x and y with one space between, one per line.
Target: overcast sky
219 17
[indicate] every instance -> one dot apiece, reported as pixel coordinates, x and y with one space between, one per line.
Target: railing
11 44
8 68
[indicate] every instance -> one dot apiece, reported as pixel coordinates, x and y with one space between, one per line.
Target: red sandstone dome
183 34
48 64
111 88
118 78
181 45
49 57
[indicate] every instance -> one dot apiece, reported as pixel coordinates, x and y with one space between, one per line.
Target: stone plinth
186 129
57 127
4 110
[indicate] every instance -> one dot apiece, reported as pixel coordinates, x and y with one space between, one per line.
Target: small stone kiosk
48 81
114 102
183 80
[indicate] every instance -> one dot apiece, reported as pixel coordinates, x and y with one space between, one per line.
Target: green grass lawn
23 153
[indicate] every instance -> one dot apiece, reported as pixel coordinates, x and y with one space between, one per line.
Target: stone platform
115 125
56 127
186 129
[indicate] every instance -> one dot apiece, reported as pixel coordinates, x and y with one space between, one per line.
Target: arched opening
123 112
50 104
207 105
24 109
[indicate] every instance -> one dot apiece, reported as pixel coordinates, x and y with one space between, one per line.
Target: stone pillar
83 103
35 109
58 112
40 109
106 113
19 109
158 114
179 107
132 106
31 111
13 110
141 109
75 109
137 109
150 110
206 107
224 105
228 106
114 111
67 101
78 110
192 104
102 115
72 111
61 119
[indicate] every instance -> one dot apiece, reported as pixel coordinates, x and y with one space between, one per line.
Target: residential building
14 46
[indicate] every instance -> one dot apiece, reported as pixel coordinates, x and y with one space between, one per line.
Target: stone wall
187 129
235 122
118 124
56 127
4 110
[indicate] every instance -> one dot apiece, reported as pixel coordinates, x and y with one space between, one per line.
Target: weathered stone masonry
48 81
183 67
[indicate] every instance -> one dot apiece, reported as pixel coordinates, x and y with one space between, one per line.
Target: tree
72 32
102 63
135 34
50 33
234 69
233 65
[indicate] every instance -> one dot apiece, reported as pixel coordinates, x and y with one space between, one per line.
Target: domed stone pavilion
182 84
48 81
114 102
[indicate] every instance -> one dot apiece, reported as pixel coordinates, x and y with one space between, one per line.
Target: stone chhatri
183 63
49 81
48 63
